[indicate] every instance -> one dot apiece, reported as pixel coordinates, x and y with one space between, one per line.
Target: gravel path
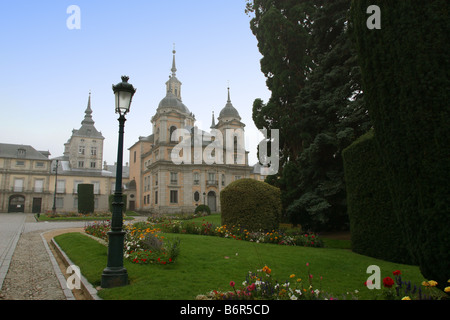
36 272
31 275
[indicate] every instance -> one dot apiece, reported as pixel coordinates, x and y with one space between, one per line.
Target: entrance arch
16 203
212 201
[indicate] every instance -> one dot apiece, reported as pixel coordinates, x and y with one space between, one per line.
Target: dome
171 101
229 111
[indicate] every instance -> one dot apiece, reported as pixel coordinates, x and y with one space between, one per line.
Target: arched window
172 129
196 196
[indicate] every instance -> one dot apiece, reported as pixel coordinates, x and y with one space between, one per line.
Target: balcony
212 183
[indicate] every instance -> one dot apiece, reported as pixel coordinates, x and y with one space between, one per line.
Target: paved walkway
29 270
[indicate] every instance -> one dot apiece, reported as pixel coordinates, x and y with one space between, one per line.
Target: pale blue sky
48 70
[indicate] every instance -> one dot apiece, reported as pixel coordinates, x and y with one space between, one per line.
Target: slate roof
20 151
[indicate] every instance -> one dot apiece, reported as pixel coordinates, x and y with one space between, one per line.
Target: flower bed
260 285
398 289
143 244
240 233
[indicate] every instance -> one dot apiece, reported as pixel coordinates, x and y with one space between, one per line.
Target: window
61 186
93 165
40 164
156 197
196 196
173 196
96 187
93 151
211 179
172 129
196 178
18 185
20 163
39 185
80 164
173 178
21 153
223 180
59 203
134 157
81 149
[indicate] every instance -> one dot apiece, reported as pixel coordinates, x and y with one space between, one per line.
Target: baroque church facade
158 184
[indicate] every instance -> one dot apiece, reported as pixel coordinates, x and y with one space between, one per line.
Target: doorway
16 204
212 201
37 205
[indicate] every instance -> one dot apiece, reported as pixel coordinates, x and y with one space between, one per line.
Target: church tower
84 149
171 113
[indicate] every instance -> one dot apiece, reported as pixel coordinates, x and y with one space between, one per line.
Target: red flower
388 282
232 283
397 273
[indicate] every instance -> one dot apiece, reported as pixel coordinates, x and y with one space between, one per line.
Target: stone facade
25 184
28 177
158 184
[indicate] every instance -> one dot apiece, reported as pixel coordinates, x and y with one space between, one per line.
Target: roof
20 151
171 101
64 168
229 111
88 129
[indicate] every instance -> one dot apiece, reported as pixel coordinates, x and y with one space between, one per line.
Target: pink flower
232 283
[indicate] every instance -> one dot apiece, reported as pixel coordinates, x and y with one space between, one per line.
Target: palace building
158 184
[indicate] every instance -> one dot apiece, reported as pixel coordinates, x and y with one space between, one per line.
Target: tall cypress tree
319 116
281 28
405 68
333 116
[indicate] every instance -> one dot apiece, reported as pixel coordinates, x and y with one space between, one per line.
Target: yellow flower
299 280
266 269
432 283
406 298
292 276
447 289
425 284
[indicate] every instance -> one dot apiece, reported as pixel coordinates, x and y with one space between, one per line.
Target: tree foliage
316 102
405 69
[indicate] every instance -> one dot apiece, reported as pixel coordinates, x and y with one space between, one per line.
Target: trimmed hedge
405 71
375 230
252 204
86 199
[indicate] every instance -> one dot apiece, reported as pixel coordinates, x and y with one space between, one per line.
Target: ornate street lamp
56 185
115 275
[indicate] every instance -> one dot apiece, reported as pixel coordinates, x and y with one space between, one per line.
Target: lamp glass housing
123 92
123 101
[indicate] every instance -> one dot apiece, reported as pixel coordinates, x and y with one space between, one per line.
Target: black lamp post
115 275
56 185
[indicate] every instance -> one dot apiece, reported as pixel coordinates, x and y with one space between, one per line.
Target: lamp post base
114 277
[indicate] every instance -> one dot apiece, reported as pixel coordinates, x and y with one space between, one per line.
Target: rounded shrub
202 209
252 204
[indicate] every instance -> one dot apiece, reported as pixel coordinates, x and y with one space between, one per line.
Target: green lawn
206 263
